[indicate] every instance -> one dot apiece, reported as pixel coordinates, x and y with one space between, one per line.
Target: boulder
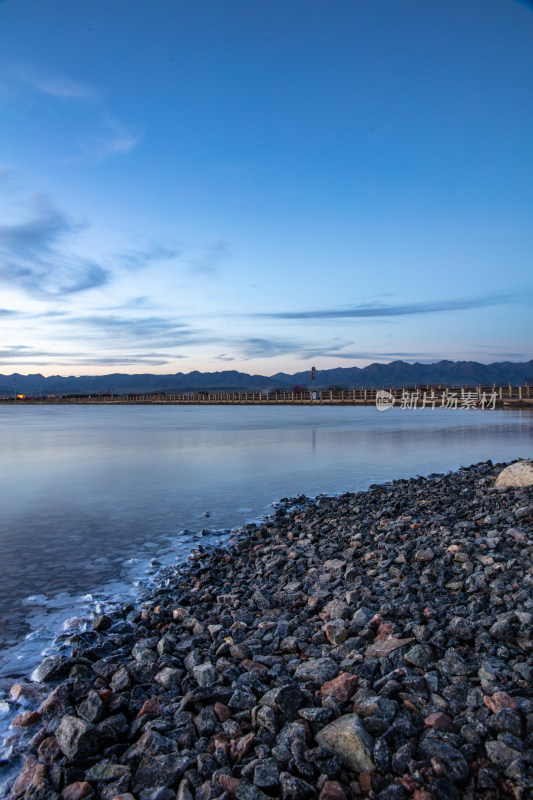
518 474
347 738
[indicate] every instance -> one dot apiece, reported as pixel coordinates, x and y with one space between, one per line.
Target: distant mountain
396 373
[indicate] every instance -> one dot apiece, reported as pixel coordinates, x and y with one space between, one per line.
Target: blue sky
264 185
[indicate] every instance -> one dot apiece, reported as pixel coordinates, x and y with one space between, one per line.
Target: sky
264 185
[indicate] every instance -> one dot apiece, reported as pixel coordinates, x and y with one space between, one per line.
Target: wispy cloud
56 85
143 257
33 258
114 139
369 310
208 261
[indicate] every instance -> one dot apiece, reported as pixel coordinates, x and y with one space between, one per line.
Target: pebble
371 644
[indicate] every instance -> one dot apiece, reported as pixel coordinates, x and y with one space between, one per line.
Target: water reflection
85 489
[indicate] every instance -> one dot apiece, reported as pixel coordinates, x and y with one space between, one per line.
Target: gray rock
53 668
317 670
161 771
294 788
205 674
76 738
92 709
453 760
348 738
266 774
285 699
420 655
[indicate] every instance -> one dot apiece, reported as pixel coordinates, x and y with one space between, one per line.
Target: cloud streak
33 258
59 86
369 310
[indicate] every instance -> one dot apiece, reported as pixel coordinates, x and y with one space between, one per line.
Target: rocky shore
373 645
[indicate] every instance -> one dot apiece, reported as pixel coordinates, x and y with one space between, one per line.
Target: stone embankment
372 645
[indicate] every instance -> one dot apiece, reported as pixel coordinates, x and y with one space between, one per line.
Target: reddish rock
32 776
125 796
341 687
228 784
24 690
254 666
332 790
440 721
384 630
49 750
26 719
422 794
499 701
382 648
336 631
105 695
76 791
150 706
57 702
335 609
409 783
239 747
222 711
365 781
437 765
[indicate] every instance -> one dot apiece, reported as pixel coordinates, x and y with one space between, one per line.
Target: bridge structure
408 397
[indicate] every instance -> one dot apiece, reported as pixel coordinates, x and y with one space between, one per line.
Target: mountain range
395 373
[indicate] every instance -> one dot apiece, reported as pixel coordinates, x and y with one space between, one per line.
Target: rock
456 768
120 680
420 655
102 622
26 719
106 772
382 648
424 555
262 600
77 790
285 699
336 631
348 738
501 754
92 709
240 747
150 706
76 738
440 721
169 677
48 750
317 670
205 674
499 701
266 775
294 788
228 784
517 474
31 778
160 771
342 687
53 668
332 790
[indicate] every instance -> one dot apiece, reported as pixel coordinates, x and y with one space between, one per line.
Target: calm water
90 494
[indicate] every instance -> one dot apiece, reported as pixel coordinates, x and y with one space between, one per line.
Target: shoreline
339 648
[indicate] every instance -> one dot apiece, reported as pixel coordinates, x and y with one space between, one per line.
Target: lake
90 494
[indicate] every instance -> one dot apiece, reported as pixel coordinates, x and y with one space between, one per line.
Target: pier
408 397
